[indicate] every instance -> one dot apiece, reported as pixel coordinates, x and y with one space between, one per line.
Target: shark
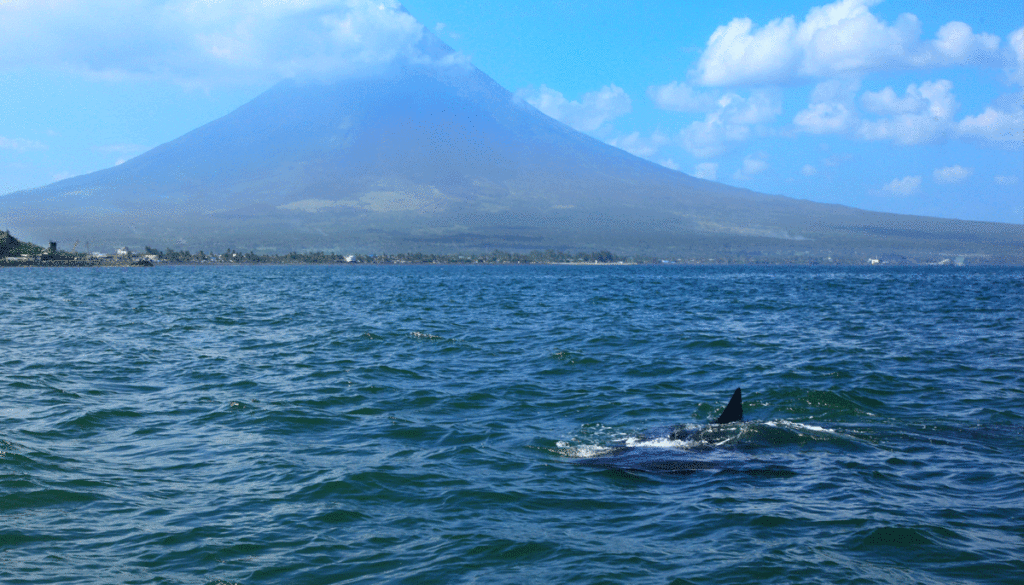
686 450
734 410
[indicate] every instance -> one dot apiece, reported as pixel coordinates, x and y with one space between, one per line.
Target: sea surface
511 424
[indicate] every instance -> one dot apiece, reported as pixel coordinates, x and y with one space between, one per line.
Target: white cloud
956 43
808 171
841 37
734 55
995 125
20 144
831 108
669 164
953 174
924 114
1015 71
706 170
823 117
752 165
731 122
903 187
207 43
588 115
887 102
440 27
931 97
680 97
711 137
1005 180
638 146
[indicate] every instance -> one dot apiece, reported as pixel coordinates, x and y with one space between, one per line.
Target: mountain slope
425 157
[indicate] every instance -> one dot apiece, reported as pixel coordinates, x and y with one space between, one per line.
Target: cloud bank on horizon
754 94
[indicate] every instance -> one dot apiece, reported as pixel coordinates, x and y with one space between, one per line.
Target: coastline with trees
15 253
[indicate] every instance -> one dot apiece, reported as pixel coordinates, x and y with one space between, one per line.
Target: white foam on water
660 442
798 426
582 451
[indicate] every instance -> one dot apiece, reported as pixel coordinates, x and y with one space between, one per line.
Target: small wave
46 497
891 536
692 437
427 336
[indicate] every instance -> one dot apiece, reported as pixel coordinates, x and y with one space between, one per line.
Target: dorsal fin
734 410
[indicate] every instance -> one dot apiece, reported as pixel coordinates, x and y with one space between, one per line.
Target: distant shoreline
114 262
14 253
71 263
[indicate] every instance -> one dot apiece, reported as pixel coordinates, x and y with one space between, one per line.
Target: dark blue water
511 425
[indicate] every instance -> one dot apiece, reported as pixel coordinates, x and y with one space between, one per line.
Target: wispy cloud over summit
206 43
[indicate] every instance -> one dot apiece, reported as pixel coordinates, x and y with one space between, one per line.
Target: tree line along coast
14 252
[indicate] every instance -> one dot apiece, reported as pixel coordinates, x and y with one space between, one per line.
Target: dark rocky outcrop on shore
14 252
11 246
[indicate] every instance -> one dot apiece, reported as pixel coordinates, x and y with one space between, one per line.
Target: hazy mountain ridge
428 157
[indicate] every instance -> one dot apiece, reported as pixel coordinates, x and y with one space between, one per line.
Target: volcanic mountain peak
430 154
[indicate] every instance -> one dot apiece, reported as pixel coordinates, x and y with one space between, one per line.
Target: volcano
437 157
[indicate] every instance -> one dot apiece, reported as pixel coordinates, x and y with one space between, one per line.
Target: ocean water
511 424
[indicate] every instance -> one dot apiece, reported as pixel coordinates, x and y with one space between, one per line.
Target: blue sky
912 107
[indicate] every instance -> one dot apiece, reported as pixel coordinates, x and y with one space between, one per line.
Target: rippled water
492 424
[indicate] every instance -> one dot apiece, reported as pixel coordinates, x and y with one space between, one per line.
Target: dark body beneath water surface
511 424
